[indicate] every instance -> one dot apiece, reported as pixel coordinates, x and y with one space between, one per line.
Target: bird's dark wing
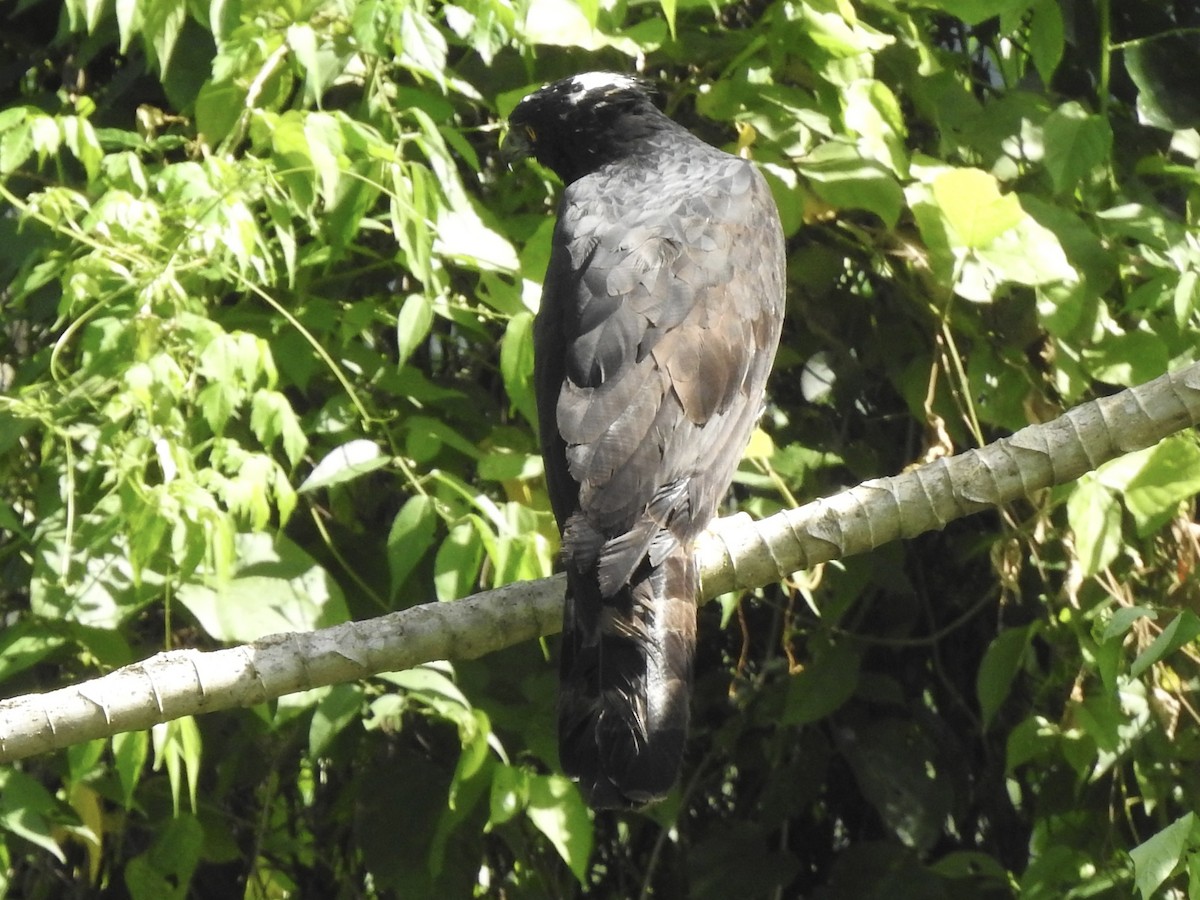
660 316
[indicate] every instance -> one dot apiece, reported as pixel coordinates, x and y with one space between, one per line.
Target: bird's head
576 124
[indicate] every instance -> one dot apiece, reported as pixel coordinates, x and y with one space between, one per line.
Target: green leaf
1181 630
1094 514
1153 482
463 237
218 107
1164 68
873 111
27 810
1076 144
516 365
1047 37
1127 359
177 746
16 142
421 45
557 811
321 64
509 793
337 709
272 418
1156 858
668 10
456 566
130 750
412 325
1170 476
999 667
431 686
972 12
1122 620
163 21
164 872
409 539
347 462
25 643
974 209
842 178
823 685
277 587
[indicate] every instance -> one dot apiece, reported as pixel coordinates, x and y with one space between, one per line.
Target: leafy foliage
268 290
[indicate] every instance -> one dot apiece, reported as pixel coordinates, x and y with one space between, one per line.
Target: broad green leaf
871 110
27 810
509 793
843 179
1170 476
999 667
1046 34
895 762
327 150
421 45
1181 630
1127 359
1157 857
822 685
276 587
409 539
430 684
557 811
1076 144
339 707
1122 620
668 10
347 462
164 872
516 365
218 107
1153 482
16 144
974 209
272 418
972 12
412 325
162 23
1094 514
463 237
560 23
456 566
321 64
130 750
25 643
1186 297
1163 67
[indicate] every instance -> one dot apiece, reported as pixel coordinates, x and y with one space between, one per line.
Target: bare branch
736 553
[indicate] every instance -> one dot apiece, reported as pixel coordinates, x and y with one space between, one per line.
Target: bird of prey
660 316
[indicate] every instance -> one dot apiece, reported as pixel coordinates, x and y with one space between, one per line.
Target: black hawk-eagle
660 315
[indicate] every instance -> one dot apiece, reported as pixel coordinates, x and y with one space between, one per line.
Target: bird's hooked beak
518 142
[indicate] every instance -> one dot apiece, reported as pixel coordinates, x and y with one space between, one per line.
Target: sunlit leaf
1157 857
347 462
557 811
975 210
998 668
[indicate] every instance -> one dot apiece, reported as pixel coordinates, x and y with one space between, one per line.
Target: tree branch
736 553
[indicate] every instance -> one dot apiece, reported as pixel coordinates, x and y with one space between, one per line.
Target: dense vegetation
267 289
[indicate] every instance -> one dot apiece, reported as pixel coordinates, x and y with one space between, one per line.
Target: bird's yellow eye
531 134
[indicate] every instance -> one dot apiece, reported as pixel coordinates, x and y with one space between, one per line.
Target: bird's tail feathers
626 679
